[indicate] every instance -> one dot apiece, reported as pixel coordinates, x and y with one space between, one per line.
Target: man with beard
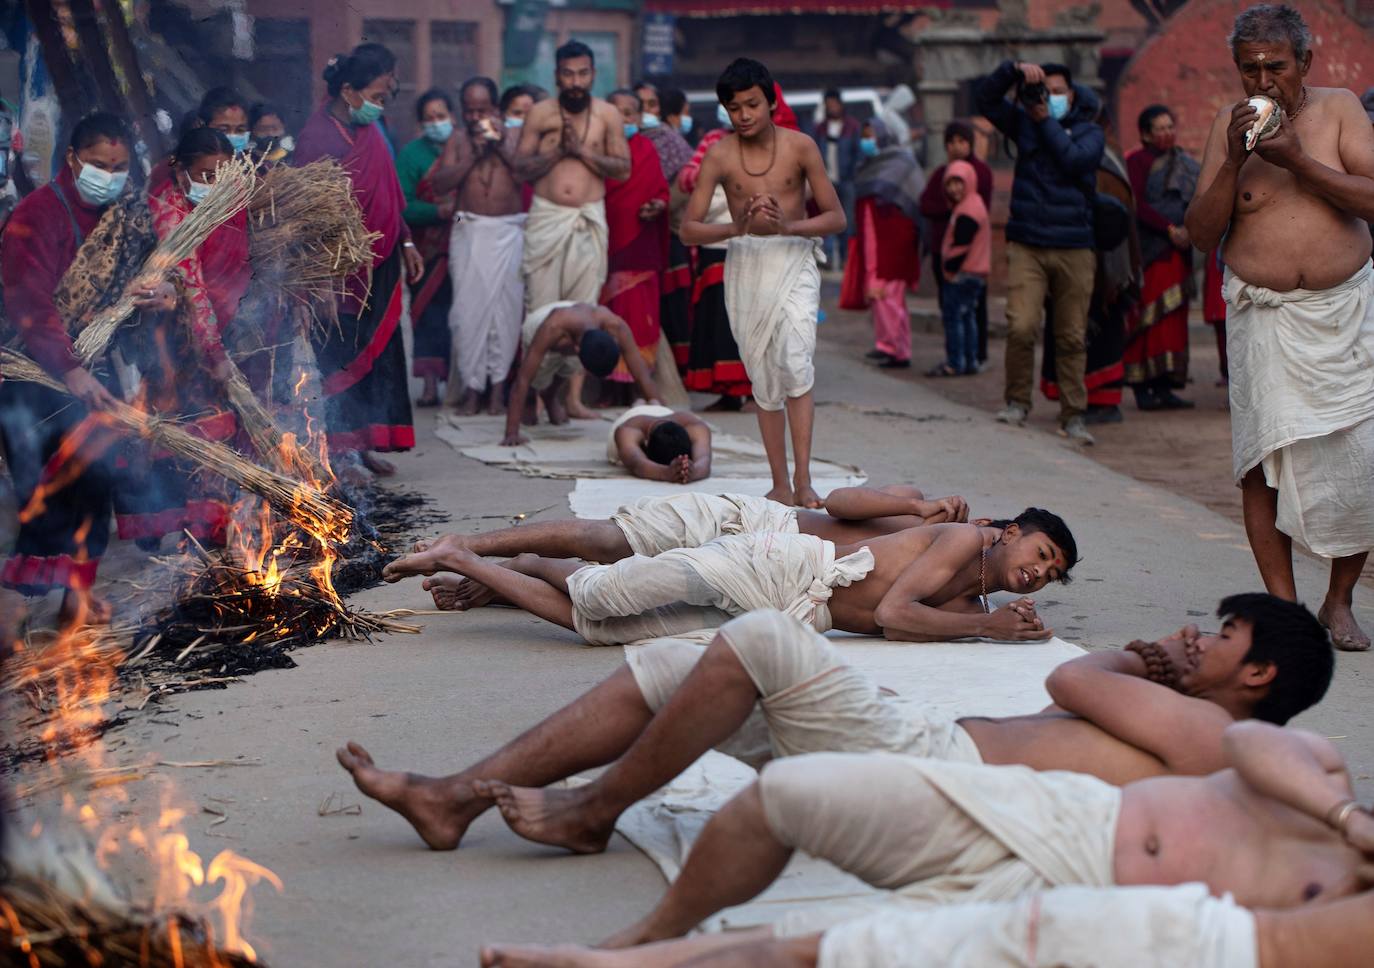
568 147
1299 292
485 246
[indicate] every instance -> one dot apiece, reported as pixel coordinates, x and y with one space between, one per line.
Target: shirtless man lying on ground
1068 927
653 525
768 687
922 584
656 443
1279 828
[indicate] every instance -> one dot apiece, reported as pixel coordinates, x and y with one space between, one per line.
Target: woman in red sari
362 359
637 215
182 357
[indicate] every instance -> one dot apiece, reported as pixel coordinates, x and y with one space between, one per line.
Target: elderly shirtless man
569 146
768 687
1300 323
485 246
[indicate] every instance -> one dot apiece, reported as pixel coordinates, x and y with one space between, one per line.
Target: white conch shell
1267 122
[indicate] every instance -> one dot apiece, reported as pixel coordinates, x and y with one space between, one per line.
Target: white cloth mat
599 498
960 678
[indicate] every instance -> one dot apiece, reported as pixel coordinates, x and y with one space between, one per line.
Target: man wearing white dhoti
768 687
1300 311
1278 828
772 284
569 146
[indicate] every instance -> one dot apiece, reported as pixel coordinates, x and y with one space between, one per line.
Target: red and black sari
362 360
638 251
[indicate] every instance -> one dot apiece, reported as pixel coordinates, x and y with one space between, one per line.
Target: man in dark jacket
1050 234
837 135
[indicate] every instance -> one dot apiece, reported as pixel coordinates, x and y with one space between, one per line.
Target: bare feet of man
496 403
553 956
453 593
782 494
467 404
417 563
1346 633
560 818
805 496
440 810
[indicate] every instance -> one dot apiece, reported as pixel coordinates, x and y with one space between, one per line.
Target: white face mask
196 192
99 187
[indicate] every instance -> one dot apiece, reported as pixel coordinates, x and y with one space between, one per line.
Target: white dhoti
1067 927
554 365
810 699
938 832
567 251
687 589
1302 405
653 525
643 410
488 295
772 292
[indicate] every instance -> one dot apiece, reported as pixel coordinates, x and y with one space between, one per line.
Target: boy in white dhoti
657 443
768 687
772 283
569 146
1300 315
1279 828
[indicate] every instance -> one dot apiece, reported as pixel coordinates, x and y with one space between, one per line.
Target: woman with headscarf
884 258
362 359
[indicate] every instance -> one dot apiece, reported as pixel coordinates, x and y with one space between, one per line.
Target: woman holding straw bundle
58 451
430 217
362 360
181 355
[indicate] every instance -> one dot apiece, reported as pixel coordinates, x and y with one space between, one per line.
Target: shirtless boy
485 246
772 283
658 444
569 146
1300 317
560 339
768 687
922 584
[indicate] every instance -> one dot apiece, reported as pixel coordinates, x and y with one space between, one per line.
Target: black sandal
942 369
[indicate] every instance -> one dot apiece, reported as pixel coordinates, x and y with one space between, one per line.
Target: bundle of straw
235 183
306 232
289 458
317 513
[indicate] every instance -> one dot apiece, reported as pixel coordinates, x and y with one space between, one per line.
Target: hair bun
334 65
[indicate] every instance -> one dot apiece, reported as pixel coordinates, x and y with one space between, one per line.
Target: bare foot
1346 633
468 403
496 406
440 810
554 402
83 608
453 593
419 563
541 956
547 816
782 494
378 465
806 497
578 411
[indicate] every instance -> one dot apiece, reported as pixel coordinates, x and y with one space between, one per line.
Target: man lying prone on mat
657 443
768 687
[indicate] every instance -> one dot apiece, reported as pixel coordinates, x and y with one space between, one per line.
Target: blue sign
658 44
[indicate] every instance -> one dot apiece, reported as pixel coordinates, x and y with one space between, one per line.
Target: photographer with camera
1050 237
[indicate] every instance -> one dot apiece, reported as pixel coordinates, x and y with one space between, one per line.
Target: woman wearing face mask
430 217
362 360
223 110
181 354
272 145
884 258
61 542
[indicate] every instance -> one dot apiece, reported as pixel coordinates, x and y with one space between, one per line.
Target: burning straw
322 516
306 232
235 183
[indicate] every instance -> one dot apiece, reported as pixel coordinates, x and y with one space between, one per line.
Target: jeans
959 309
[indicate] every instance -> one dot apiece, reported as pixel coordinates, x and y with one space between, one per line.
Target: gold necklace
983 581
772 158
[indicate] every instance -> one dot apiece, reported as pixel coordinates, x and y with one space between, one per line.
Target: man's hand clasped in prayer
1017 622
942 510
762 216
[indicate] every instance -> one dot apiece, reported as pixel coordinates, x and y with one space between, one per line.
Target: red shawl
636 244
216 276
363 153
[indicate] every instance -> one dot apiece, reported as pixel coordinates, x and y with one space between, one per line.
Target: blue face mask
723 116
515 122
99 187
196 193
686 128
239 142
647 121
438 130
631 130
1059 106
868 147
365 113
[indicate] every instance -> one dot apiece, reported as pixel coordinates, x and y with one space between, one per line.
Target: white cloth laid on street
566 252
772 293
938 832
1064 927
653 525
811 699
485 254
643 410
1302 405
555 362
687 589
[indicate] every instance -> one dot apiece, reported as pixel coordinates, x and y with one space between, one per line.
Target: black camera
1033 94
